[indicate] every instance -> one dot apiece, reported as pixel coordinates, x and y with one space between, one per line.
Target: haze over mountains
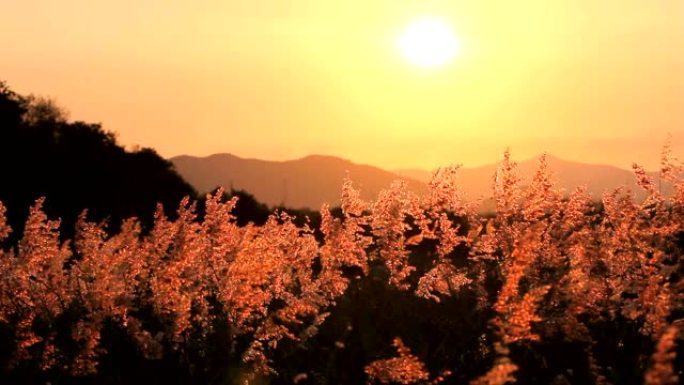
568 175
313 180
302 183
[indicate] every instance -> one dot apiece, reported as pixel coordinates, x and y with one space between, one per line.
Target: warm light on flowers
560 265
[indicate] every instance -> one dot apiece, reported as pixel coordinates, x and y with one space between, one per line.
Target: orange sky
597 81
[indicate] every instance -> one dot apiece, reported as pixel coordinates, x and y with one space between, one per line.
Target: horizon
597 82
518 161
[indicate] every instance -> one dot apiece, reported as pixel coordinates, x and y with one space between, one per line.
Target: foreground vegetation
552 288
548 290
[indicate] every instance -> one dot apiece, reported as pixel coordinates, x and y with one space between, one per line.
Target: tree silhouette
76 166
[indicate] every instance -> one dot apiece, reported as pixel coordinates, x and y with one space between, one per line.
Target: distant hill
414 173
302 183
310 181
568 175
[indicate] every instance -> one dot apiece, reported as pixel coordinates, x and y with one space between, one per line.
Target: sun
428 43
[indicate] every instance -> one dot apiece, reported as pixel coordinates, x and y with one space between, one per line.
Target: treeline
78 166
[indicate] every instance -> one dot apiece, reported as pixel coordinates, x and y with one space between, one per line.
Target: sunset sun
428 43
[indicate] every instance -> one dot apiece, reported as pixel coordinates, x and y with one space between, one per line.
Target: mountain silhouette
310 181
302 183
476 182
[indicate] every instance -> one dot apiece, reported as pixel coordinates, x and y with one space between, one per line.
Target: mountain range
316 179
302 183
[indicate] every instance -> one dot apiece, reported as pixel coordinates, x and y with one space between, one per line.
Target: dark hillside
76 165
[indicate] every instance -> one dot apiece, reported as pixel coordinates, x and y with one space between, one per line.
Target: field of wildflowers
550 274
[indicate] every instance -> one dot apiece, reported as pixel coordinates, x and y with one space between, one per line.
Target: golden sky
589 80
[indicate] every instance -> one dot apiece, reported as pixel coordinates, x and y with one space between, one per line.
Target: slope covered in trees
76 166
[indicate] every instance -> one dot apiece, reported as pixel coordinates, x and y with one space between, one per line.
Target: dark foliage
76 166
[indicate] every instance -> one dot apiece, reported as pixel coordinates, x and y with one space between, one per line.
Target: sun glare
428 43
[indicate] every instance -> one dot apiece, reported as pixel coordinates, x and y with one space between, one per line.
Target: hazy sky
592 80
